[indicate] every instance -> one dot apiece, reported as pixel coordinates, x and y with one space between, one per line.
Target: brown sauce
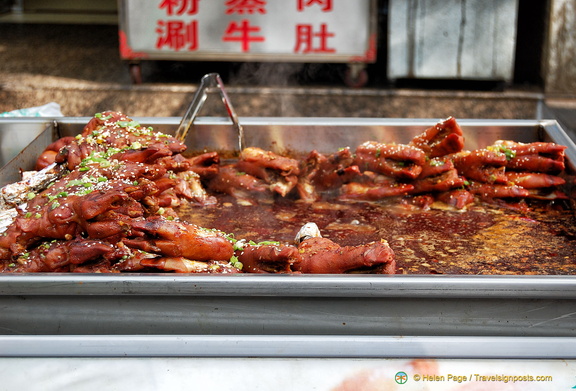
480 240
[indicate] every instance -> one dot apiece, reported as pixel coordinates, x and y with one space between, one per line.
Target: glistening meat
117 199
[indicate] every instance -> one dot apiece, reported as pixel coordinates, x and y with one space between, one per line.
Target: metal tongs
209 81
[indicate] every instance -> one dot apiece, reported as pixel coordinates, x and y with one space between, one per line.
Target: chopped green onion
236 263
74 182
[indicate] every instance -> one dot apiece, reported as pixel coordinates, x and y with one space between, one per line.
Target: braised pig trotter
323 256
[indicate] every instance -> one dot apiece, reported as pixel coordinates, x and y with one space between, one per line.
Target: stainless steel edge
331 286
287 120
348 121
288 346
555 132
17 134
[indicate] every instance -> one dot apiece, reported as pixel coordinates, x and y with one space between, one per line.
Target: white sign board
240 30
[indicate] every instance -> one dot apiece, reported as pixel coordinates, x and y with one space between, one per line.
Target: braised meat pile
114 193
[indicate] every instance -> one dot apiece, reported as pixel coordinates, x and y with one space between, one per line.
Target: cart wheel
135 73
356 78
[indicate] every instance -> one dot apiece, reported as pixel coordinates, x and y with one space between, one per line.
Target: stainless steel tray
52 304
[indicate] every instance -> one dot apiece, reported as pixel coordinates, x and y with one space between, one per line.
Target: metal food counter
299 325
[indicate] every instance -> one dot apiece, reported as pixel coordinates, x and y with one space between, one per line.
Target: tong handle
209 80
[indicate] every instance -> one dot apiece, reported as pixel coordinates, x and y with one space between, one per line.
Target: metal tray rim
285 346
249 285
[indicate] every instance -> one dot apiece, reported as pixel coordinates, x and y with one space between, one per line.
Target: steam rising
282 75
